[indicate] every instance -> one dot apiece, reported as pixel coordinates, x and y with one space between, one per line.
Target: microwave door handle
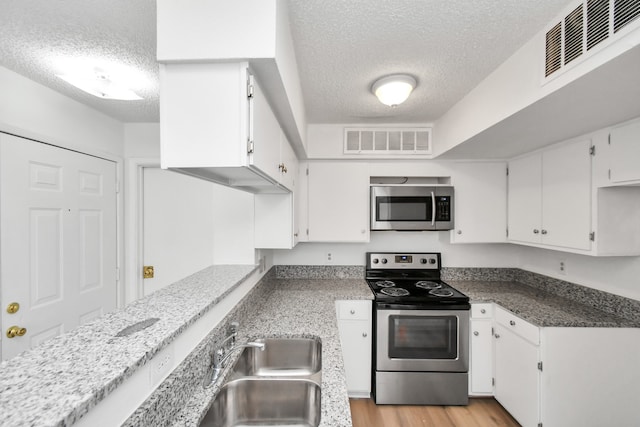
433 208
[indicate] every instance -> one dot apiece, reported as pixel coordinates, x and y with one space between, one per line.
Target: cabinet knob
483 311
536 231
497 335
476 333
459 232
352 311
364 335
363 231
512 322
544 232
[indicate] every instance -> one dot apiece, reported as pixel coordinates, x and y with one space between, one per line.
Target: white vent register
416 141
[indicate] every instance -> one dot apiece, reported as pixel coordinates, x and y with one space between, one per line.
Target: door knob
16 331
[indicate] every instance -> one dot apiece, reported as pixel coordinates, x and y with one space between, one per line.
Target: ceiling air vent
625 11
597 22
588 25
387 141
573 35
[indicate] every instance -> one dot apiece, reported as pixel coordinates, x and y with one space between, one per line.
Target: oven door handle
433 208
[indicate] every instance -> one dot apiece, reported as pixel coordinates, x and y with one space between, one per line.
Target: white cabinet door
566 196
354 324
625 152
266 135
274 221
525 199
481 358
479 185
517 380
338 202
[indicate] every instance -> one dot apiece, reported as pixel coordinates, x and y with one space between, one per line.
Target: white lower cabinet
354 324
565 376
481 357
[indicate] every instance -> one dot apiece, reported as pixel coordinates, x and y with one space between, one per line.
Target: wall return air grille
416 141
586 26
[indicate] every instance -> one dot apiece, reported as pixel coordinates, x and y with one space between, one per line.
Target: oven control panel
393 260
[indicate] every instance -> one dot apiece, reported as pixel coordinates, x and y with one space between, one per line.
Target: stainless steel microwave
402 207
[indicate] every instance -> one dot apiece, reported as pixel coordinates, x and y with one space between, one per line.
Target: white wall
31 110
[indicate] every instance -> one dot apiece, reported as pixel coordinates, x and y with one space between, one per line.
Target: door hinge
250 146
592 150
539 424
539 366
592 236
249 87
609 174
307 231
307 171
492 331
609 139
507 171
507 232
493 381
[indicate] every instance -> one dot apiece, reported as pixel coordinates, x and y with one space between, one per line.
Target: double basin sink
276 386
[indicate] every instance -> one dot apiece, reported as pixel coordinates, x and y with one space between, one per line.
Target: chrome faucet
220 356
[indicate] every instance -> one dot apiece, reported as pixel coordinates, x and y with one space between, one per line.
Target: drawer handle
512 323
476 333
352 311
483 311
364 335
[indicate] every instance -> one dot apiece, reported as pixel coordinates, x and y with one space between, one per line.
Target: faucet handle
218 355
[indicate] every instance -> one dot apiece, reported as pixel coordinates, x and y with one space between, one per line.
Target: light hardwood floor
481 412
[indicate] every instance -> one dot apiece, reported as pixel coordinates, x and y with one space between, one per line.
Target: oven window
403 208
423 337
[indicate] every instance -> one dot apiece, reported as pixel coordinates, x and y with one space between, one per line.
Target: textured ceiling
342 47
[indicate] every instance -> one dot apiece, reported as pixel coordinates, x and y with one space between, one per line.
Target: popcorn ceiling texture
341 48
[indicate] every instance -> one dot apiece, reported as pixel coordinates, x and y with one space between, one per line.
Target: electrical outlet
328 258
562 268
263 263
160 366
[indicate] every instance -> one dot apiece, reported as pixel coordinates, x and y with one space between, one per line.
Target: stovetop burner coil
385 283
425 284
441 292
395 292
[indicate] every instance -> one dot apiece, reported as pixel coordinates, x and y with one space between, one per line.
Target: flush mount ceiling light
100 84
393 90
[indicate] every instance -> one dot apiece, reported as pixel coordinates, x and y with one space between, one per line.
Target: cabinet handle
536 231
497 336
282 168
544 231
483 311
512 322
459 231
476 333
352 312
364 335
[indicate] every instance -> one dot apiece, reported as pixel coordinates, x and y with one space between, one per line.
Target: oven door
422 340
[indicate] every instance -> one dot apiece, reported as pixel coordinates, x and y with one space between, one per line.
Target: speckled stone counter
293 308
539 307
59 381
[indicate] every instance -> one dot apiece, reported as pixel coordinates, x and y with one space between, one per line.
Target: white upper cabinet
217 124
480 202
338 202
625 153
549 197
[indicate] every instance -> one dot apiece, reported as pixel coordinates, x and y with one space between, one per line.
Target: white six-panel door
57 240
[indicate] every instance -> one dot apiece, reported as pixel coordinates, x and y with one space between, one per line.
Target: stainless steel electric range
421 324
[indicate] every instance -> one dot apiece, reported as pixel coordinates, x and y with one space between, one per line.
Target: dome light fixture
393 90
98 83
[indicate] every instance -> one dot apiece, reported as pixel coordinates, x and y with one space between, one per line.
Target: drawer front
521 327
481 311
354 310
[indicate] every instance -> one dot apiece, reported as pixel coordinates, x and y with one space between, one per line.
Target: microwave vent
591 23
392 141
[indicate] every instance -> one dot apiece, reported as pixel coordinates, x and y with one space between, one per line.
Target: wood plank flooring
481 412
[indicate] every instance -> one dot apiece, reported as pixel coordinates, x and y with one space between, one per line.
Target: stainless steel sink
282 357
266 401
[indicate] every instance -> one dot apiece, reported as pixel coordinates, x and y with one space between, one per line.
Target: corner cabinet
338 202
354 324
478 186
217 124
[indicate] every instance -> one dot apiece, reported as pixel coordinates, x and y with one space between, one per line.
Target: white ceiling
342 47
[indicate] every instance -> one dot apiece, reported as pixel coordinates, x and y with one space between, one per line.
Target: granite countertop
300 307
541 308
60 380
